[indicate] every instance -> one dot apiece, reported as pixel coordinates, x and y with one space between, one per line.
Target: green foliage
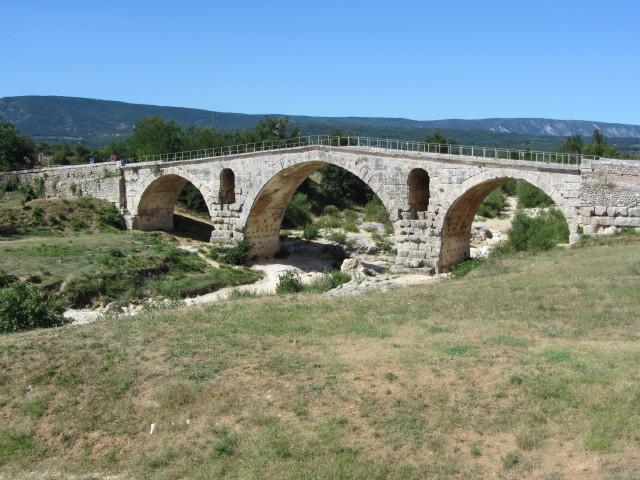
573 144
152 136
540 233
338 237
23 306
509 187
344 187
493 205
298 212
310 231
289 282
14 148
464 268
331 211
192 199
110 216
374 211
237 254
383 242
531 197
327 281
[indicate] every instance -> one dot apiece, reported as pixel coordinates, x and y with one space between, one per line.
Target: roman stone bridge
431 192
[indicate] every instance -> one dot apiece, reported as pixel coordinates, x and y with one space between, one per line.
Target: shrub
9 185
465 267
328 281
350 227
23 306
234 255
298 212
493 205
329 221
540 233
331 211
531 197
110 216
289 282
374 211
78 224
338 237
382 242
510 186
310 231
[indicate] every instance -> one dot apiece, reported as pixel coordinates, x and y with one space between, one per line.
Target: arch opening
418 183
227 193
500 202
173 204
312 196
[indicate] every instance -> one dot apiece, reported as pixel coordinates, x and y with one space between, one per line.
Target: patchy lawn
528 367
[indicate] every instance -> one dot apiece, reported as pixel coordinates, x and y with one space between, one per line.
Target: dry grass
526 368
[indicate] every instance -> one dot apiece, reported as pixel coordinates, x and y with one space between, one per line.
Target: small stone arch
418 187
154 207
227 192
456 226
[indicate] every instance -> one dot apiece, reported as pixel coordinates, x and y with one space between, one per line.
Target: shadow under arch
157 203
455 246
262 226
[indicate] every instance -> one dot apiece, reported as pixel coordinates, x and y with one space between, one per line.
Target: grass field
76 247
528 367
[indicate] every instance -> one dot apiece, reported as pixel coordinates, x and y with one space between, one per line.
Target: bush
23 306
374 211
310 232
289 282
110 216
540 233
493 205
328 281
331 211
234 255
9 185
463 268
383 242
78 224
329 221
298 212
338 237
531 197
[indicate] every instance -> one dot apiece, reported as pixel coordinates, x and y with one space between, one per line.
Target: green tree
600 147
573 144
437 137
271 129
14 148
152 136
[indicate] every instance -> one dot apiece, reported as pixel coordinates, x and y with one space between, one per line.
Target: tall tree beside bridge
14 148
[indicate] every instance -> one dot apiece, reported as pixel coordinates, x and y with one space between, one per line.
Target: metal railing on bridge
369 142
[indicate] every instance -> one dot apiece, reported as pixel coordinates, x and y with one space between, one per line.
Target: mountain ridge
60 118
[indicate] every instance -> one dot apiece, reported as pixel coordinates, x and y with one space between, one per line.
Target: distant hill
97 122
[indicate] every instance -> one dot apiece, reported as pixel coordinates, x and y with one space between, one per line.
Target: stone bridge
431 197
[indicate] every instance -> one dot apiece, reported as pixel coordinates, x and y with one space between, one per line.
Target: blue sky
567 59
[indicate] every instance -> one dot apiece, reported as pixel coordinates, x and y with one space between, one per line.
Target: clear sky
566 59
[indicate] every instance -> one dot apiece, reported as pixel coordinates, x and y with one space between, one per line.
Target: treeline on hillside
153 135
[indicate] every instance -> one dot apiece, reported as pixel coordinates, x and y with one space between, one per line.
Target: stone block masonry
431 198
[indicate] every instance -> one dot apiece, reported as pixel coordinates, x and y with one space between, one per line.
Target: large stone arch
467 197
267 202
153 208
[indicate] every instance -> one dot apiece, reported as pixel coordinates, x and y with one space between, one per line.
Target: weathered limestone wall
100 180
610 192
247 194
